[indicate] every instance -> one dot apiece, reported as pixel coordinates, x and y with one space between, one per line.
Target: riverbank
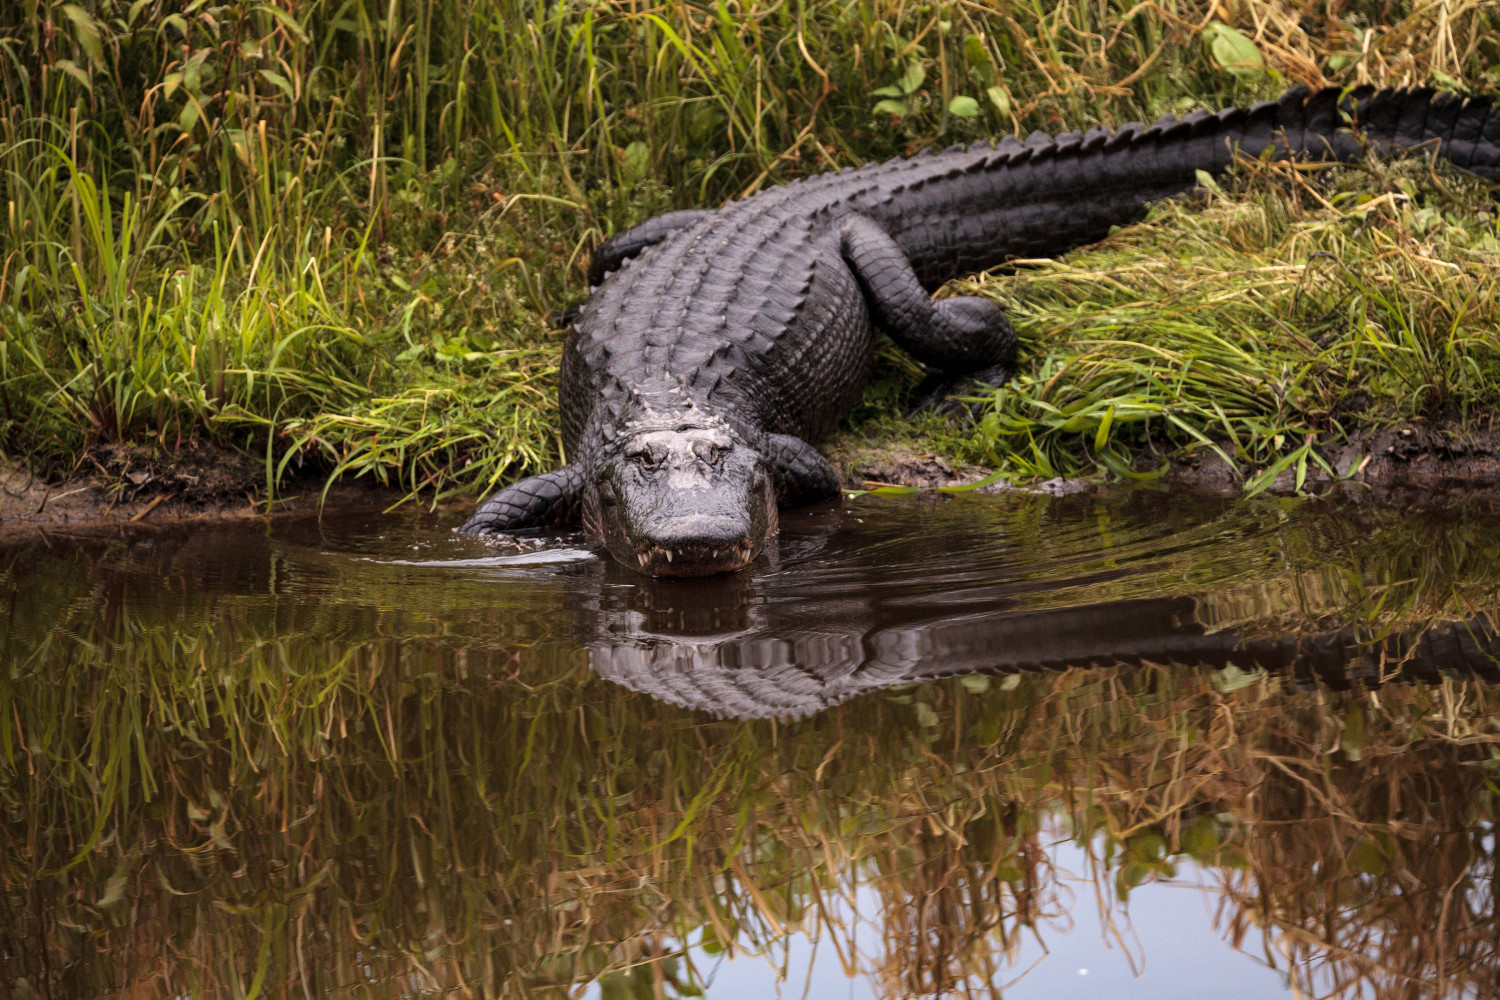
348 282
125 486
1402 465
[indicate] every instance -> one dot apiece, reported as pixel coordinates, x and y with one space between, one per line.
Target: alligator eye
648 460
710 453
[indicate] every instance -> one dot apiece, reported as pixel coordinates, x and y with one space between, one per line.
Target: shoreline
122 486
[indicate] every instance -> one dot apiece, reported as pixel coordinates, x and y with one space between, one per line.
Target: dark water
1125 745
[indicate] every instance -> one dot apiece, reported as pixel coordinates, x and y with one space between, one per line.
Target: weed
293 228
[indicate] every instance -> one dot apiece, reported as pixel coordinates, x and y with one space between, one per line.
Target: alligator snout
696 546
682 501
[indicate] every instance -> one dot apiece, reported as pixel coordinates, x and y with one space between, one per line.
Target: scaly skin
765 673
719 344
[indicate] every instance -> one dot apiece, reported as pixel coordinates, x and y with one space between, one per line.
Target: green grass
1263 322
329 233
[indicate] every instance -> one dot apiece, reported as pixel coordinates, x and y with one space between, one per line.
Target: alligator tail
970 209
1332 123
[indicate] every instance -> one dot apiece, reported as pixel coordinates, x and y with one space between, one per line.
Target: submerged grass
330 232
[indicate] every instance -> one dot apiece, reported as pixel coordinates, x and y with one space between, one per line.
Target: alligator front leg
551 500
799 474
622 246
967 336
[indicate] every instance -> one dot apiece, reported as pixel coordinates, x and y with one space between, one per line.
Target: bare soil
120 484
1418 459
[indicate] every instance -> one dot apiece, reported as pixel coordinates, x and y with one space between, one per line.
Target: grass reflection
257 792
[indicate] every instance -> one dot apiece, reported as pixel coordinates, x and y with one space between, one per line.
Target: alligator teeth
642 557
669 554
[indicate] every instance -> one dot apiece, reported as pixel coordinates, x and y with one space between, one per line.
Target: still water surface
1126 744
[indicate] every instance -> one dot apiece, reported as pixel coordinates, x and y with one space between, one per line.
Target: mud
120 484
1414 459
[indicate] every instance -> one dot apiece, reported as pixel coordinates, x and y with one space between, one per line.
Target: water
1130 745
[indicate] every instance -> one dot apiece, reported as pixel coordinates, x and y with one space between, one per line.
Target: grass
329 233
1267 322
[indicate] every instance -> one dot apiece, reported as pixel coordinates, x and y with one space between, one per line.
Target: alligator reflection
856 611
233 763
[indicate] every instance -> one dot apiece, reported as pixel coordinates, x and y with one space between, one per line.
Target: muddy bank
1415 460
121 485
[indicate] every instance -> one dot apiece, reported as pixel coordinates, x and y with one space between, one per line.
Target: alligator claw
954 395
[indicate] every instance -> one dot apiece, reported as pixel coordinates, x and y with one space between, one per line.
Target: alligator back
752 307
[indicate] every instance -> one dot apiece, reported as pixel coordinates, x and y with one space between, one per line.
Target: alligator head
677 491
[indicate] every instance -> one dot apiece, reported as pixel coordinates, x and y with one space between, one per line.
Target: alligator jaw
689 558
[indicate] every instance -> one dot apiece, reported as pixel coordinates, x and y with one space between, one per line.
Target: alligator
872 604
718 345
769 674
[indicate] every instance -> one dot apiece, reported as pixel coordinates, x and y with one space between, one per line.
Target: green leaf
890 107
891 91
176 21
279 81
974 50
1369 858
963 106
71 68
637 159
1206 180
1235 53
913 77
1200 837
1232 678
287 21
87 31
1000 99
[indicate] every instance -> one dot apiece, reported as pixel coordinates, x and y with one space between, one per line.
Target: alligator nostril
709 452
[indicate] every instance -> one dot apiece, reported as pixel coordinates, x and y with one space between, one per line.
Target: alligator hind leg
968 339
551 500
622 246
799 474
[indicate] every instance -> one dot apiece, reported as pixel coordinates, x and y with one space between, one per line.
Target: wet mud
122 484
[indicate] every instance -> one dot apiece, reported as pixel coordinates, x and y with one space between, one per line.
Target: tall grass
312 228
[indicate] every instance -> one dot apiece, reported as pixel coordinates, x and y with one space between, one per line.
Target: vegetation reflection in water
296 761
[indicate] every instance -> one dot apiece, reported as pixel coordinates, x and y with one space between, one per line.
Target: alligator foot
801 475
563 320
551 500
954 395
968 334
